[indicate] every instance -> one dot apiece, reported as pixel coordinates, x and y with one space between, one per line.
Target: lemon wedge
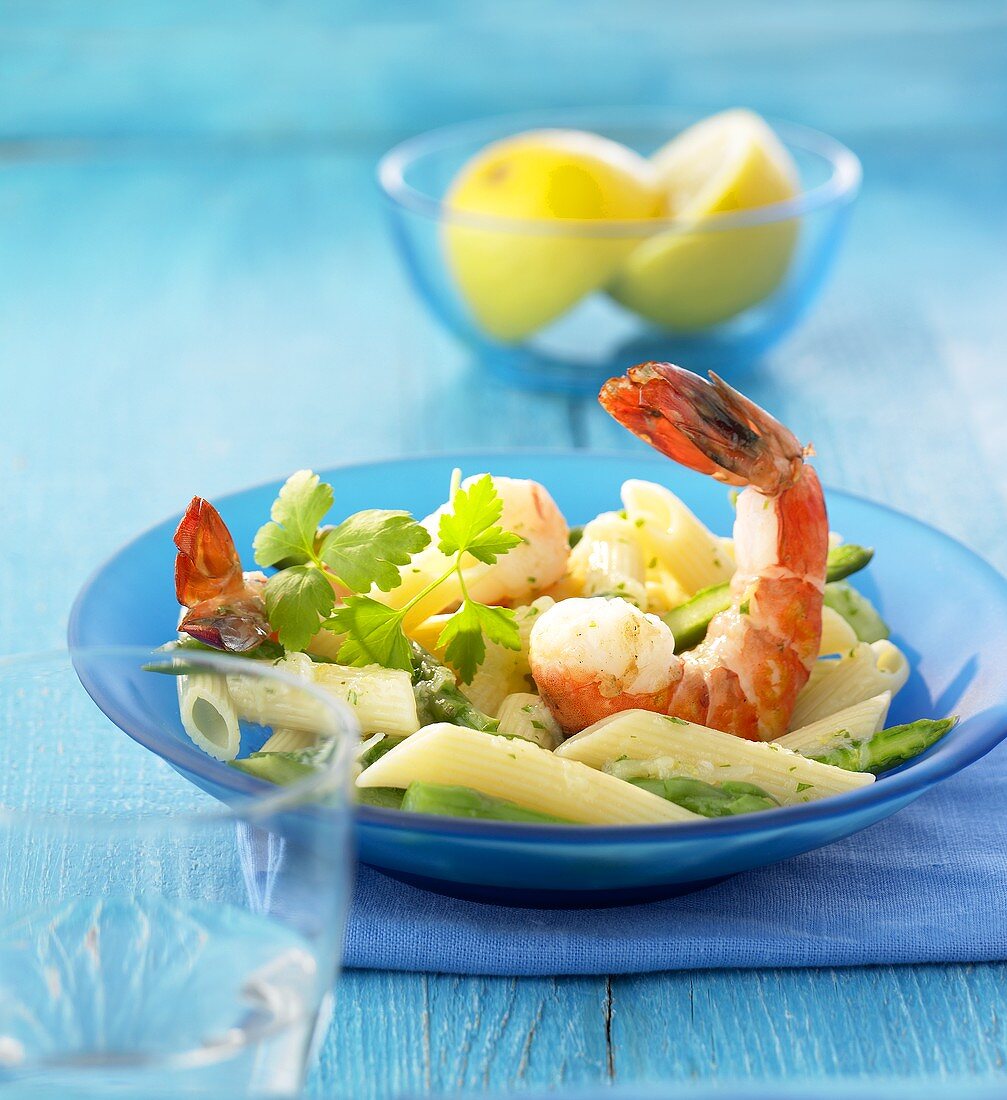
515 278
697 274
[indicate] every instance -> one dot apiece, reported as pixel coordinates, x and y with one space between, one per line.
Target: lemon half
689 279
515 282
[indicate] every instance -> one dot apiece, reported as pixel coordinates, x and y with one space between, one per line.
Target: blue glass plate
947 608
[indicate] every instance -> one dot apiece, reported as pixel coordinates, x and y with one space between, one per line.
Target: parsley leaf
470 526
373 632
367 548
296 599
465 633
296 514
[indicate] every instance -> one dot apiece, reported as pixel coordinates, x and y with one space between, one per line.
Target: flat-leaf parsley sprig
374 633
365 550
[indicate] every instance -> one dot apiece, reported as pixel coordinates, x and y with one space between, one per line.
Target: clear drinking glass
156 939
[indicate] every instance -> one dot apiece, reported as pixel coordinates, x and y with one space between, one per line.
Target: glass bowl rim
258 802
840 188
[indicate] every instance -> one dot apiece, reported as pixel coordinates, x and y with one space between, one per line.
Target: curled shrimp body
593 658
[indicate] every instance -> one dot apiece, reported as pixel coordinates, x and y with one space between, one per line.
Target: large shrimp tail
707 426
224 607
207 563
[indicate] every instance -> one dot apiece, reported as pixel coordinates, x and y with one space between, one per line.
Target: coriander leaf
464 636
373 632
473 511
295 600
296 514
366 548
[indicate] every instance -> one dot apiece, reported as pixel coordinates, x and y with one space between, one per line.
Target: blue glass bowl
596 337
947 607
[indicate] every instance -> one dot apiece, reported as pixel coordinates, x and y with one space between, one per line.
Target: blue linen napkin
927 885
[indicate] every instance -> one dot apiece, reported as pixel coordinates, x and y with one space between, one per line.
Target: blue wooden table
196 294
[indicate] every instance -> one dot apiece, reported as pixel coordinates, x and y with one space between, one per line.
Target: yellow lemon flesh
515 279
689 279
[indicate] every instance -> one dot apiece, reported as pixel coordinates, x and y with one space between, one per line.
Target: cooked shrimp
223 605
516 577
593 658
539 562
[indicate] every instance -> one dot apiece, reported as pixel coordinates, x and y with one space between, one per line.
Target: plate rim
912 780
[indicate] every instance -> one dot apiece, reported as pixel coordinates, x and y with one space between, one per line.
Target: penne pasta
684 748
869 669
428 632
663 591
288 740
276 704
381 699
854 723
525 715
520 772
208 714
611 559
505 671
670 532
837 634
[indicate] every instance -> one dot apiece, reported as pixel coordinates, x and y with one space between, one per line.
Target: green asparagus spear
375 752
847 559
690 621
282 768
438 697
857 610
285 768
386 798
434 798
886 750
705 799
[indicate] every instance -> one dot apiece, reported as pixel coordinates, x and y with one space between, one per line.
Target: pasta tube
676 747
287 740
208 714
427 633
837 634
867 670
505 671
663 591
611 559
519 772
525 715
382 699
670 532
852 723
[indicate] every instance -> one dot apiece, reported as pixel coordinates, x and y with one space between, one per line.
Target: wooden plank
395 1034
173 326
896 378
930 1021
255 69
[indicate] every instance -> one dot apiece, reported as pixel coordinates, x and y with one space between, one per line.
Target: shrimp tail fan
705 425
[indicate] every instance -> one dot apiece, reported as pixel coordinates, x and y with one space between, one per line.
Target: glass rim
841 187
258 800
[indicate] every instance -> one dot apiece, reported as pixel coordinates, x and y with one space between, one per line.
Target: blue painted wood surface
196 294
